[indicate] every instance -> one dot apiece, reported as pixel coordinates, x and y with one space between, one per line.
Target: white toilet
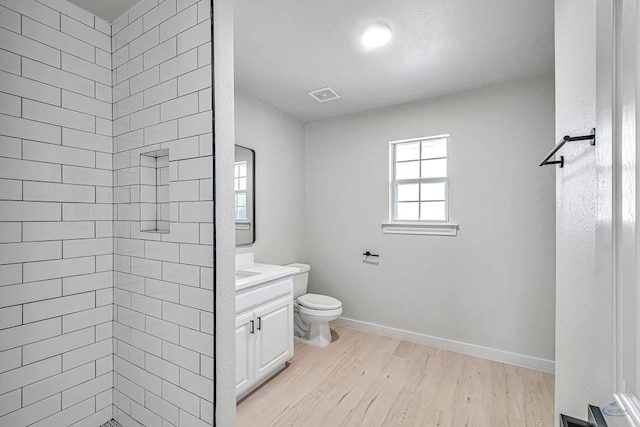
312 312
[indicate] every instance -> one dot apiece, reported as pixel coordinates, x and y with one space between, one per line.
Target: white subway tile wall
98 319
56 312
163 286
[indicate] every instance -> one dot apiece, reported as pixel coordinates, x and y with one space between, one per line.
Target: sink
243 274
254 274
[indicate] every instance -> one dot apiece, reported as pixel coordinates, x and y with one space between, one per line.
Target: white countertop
261 273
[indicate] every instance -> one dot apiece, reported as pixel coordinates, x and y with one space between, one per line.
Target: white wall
163 291
225 382
55 215
493 284
584 354
278 140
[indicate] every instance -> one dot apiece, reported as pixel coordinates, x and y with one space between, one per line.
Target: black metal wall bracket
591 137
596 419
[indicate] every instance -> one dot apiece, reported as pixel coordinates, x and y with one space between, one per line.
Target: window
419 186
240 178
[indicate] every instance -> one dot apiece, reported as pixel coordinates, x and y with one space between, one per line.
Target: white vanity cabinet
264 331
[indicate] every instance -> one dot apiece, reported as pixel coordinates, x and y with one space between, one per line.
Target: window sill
243 225
425 229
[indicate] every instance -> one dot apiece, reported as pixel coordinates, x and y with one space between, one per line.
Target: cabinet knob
259 323
251 330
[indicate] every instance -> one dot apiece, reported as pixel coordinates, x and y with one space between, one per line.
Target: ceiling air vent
323 95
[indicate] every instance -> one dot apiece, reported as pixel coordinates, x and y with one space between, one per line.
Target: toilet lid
319 302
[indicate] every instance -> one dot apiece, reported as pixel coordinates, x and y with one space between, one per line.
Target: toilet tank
300 279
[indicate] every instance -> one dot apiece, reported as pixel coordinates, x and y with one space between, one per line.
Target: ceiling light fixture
376 35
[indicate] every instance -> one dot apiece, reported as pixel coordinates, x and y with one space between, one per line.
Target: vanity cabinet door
274 335
245 332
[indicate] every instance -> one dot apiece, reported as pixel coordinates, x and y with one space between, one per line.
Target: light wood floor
369 380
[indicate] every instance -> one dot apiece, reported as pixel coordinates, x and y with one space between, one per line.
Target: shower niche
154 191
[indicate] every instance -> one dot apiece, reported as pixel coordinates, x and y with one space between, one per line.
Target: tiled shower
106 215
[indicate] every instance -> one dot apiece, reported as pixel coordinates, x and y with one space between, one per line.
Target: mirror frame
246 230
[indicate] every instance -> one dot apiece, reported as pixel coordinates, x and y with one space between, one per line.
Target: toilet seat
312 312
319 302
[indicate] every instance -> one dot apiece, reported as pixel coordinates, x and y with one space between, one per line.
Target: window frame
236 180
418 226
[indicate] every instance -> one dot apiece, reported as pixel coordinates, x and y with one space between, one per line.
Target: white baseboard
456 346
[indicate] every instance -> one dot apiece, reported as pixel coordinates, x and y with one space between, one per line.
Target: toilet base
312 326
319 335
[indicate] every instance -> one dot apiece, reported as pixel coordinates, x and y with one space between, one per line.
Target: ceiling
286 48
106 9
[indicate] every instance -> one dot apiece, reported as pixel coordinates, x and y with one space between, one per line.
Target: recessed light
376 35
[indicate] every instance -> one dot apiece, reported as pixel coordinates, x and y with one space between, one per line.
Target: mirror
244 184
